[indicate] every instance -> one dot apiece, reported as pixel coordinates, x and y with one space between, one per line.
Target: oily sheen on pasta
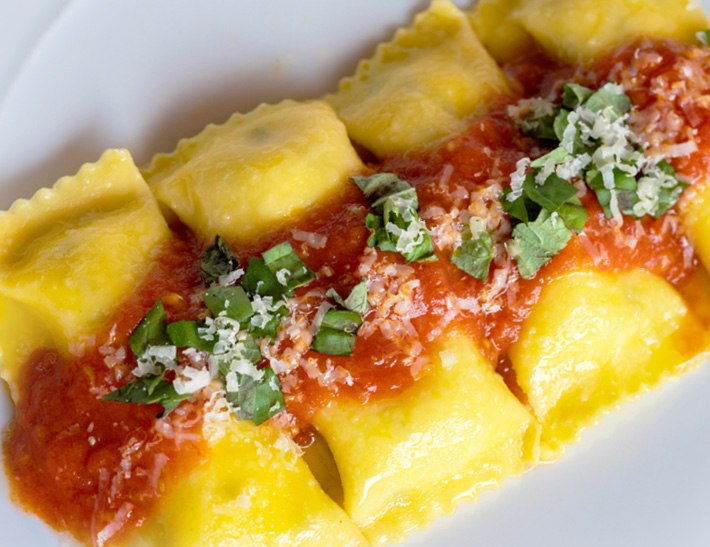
328 322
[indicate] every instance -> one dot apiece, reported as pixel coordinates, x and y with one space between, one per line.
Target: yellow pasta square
71 253
254 491
594 340
580 30
257 171
421 86
407 459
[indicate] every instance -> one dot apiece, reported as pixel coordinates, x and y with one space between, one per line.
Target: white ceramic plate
78 77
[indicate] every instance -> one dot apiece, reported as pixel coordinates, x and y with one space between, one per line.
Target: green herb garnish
186 334
535 243
231 301
218 261
258 400
475 254
596 146
356 300
289 269
337 331
241 315
150 389
574 94
395 225
151 331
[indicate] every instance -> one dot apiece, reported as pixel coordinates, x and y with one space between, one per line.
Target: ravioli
257 171
594 340
71 253
420 86
580 30
407 459
254 491
255 332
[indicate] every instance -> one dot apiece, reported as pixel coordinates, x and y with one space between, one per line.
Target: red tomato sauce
65 450
97 468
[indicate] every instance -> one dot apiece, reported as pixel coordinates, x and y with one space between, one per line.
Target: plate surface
77 77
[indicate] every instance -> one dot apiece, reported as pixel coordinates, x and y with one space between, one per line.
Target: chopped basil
574 214
232 301
258 400
259 279
333 342
551 194
150 389
597 146
344 320
244 313
609 100
185 334
265 325
522 208
377 188
286 265
395 226
217 261
623 187
558 155
475 254
669 193
540 127
562 124
537 242
337 331
574 95
151 331
250 352
356 300
703 37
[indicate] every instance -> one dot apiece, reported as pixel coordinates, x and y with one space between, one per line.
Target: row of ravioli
71 254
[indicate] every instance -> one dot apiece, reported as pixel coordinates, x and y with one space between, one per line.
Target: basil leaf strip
259 279
522 208
337 332
267 328
261 399
538 242
289 269
217 261
343 320
551 194
574 214
356 300
185 334
382 186
150 389
333 342
475 254
558 155
540 127
395 226
151 331
232 301
609 101
574 95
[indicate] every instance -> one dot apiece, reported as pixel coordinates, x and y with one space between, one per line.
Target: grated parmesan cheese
152 359
191 380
